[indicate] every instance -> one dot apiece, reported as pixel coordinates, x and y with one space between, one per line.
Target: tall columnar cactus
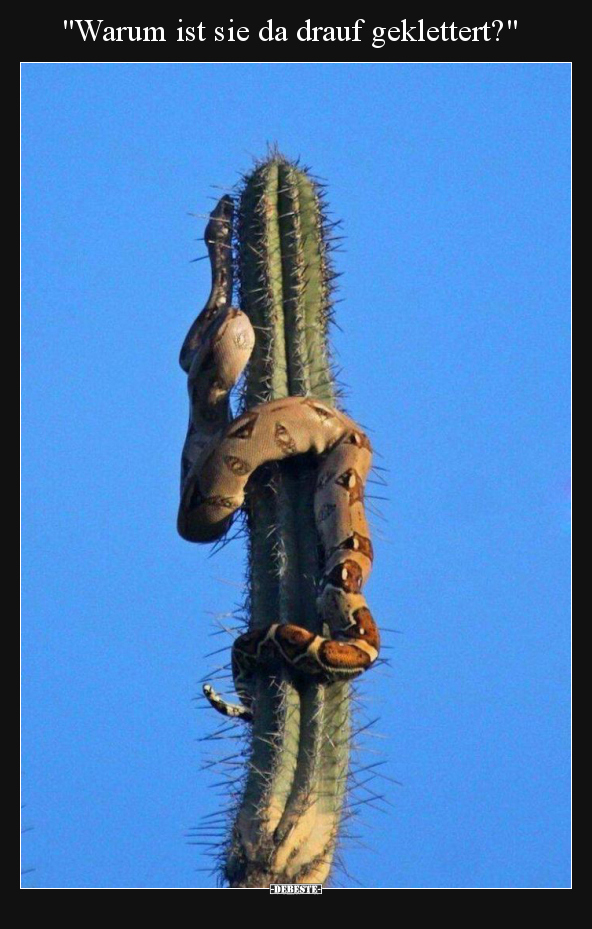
297 465
287 824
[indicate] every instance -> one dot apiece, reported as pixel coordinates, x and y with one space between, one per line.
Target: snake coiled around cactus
219 456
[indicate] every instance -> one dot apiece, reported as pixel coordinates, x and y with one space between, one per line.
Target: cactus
292 795
288 820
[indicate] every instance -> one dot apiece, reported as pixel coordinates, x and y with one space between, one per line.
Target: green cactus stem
287 824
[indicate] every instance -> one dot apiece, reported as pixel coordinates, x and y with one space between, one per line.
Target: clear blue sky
453 185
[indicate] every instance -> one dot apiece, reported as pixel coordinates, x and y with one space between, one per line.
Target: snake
221 453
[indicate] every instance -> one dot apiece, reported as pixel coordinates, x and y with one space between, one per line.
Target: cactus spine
287 823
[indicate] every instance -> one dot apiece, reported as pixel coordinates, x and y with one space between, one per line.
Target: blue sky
452 181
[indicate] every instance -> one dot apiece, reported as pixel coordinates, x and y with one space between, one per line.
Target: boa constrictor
219 456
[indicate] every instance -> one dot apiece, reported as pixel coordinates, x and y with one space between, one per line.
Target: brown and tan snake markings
284 440
350 479
322 412
347 575
219 456
359 439
223 503
237 465
245 426
357 543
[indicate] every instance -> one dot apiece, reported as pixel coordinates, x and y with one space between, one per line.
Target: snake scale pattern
221 453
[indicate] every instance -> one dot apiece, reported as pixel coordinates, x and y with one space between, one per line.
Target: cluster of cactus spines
292 797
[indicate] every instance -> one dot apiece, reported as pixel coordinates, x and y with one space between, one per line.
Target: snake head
219 228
